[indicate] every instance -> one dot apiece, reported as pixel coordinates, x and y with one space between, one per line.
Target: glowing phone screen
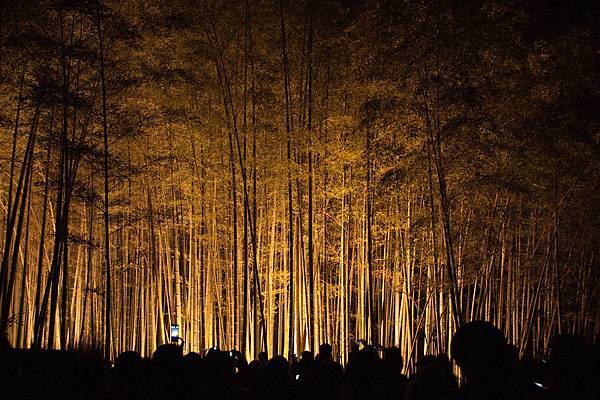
174 331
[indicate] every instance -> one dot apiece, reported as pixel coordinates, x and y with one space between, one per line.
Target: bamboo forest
270 175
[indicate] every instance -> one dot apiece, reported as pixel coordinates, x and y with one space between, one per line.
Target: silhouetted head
480 349
277 369
263 357
306 356
365 373
192 356
393 358
167 356
220 366
192 362
325 352
425 362
212 350
434 379
368 354
128 364
366 362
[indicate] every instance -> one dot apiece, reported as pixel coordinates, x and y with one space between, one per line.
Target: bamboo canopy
271 176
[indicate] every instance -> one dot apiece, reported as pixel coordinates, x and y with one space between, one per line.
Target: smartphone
174 332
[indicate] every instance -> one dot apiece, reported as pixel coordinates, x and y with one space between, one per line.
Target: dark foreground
490 367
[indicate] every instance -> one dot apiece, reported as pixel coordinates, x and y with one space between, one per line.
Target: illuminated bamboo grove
274 174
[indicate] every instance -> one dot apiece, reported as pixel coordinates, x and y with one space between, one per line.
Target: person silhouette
489 364
324 378
276 374
573 368
433 380
263 358
303 367
394 380
364 375
128 379
166 367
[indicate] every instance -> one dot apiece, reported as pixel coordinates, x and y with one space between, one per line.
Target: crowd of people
490 369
